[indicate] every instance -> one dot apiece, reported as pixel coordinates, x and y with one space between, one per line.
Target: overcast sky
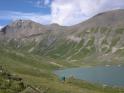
63 12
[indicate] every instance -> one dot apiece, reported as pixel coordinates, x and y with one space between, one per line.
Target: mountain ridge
109 19
99 39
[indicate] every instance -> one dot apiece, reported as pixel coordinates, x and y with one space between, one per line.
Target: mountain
22 28
99 40
30 52
111 19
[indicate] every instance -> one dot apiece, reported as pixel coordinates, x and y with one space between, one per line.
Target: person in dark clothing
63 78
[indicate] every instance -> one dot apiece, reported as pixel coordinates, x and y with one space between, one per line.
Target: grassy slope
37 71
98 46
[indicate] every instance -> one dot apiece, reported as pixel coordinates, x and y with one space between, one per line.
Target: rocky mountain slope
110 19
98 40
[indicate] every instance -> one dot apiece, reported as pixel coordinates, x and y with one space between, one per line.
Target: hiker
63 78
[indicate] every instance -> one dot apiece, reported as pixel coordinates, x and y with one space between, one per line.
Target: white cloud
1 27
69 12
65 12
12 15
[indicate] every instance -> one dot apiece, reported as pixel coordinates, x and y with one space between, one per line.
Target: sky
62 12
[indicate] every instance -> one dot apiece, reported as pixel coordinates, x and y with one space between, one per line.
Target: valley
33 52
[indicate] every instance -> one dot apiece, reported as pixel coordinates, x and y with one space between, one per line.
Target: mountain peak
23 28
54 24
23 22
110 19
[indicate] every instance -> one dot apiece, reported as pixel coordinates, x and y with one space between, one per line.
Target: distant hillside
99 40
111 19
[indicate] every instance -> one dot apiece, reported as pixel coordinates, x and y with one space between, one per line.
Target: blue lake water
112 76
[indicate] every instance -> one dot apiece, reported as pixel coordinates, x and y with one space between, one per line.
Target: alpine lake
104 75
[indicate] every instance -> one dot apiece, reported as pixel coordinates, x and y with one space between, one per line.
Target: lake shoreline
68 75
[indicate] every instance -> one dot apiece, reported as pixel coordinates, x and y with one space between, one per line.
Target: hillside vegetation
27 73
31 52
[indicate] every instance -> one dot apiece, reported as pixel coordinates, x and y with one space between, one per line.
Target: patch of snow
30 50
1 71
56 64
37 39
79 50
86 41
121 48
88 31
114 49
74 38
89 47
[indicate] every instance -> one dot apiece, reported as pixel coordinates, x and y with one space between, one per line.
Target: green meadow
37 75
